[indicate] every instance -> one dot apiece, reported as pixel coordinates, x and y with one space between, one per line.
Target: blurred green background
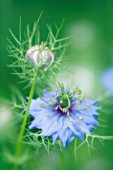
90 22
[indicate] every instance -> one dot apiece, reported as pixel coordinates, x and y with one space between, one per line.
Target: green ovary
65 101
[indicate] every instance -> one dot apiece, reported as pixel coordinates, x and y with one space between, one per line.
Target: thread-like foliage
17 48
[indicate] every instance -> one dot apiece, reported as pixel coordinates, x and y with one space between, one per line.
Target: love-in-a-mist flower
107 80
40 55
64 115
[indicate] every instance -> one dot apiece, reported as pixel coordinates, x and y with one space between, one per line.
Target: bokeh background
90 23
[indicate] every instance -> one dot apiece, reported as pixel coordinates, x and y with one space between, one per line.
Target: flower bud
40 55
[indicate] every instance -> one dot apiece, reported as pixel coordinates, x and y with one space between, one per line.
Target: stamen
61 102
81 117
68 113
56 108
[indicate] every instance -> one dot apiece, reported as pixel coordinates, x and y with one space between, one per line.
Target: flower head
64 115
107 80
40 55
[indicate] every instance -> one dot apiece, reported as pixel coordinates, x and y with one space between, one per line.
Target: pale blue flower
62 115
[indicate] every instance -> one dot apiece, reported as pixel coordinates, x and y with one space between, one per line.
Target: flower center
63 103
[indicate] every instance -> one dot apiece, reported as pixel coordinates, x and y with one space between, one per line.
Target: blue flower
64 115
107 80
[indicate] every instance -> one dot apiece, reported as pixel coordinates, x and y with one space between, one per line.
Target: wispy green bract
17 48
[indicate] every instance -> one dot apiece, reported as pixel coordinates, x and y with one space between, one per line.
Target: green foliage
25 70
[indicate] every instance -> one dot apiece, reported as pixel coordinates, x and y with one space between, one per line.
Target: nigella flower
64 115
107 80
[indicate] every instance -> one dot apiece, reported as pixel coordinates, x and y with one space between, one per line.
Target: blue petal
55 137
87 103
64 136
90 111
49 96
49 125
37 122
35 107
76 131
87 119
90 120
80 125
91 127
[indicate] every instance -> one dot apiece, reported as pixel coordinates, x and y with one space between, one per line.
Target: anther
61 102
81 117
68 113
56 108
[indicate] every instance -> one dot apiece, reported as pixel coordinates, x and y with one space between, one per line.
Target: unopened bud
40 55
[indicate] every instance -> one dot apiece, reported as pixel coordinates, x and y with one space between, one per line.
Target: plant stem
22 130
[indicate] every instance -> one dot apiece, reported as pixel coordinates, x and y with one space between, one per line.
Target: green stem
22 130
